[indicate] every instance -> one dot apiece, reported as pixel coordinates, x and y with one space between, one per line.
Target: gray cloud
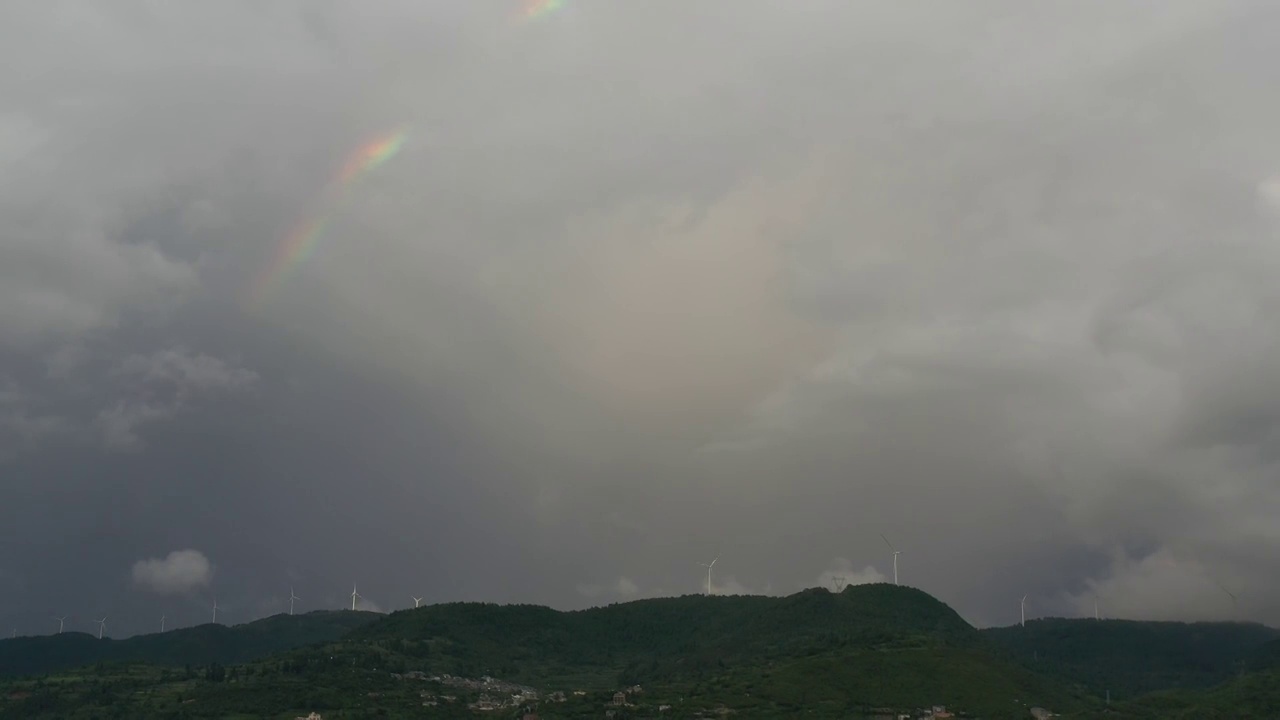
644 285
181 571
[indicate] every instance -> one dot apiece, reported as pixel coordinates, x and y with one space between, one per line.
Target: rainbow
300 243
539 8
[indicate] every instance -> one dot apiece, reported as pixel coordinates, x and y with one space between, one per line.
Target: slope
871 644
1248 696
1130 658
198 645
814 653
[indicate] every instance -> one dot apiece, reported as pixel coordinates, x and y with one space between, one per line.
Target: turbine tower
215 609
1235 605
61 620
292 597
1024 610
895 557
708 566
416 601
162 623
354 595
102 625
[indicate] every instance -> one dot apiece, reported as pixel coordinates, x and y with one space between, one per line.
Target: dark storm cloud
647 284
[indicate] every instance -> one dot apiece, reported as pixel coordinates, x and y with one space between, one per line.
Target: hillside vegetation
869 650
814 653
199 645
1130 658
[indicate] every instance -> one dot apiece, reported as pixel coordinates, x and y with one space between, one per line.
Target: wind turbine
1235 605
215 609
708 567
354 595
292 597
416 601
895 557
61 620
161 623
102 624
1024 610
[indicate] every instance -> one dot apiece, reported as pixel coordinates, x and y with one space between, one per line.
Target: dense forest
868 650
1129 658
198 645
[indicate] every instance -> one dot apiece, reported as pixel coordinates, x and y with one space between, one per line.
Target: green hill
815 653
869 645
1131 658
1249 696
1264 657
198 645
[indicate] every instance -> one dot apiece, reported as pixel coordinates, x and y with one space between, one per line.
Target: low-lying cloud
179 572
841 574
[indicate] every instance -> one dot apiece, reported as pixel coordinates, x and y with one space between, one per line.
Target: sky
637 285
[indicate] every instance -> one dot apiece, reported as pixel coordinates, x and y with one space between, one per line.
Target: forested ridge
816 653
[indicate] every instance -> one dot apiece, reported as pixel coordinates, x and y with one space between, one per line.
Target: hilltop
870 616
199 645
1131 658
815 652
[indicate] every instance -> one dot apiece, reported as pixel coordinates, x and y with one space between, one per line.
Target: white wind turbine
292 597
162 623
61 621
215 609
895 557
102 625
416 601
355 595
1023 603
708 566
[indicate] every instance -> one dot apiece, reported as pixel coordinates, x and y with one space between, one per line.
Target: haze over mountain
450 301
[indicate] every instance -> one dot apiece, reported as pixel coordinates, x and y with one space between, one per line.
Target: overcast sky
647 283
